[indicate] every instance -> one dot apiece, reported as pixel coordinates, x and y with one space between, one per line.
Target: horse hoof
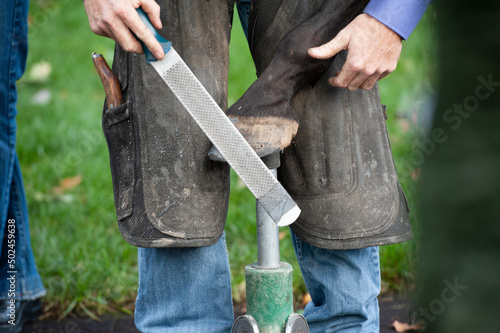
266 135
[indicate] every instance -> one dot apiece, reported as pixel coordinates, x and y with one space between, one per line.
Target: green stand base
270 302
269 296
269 282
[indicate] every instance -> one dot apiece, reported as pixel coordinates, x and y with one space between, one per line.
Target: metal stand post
268 243
269 287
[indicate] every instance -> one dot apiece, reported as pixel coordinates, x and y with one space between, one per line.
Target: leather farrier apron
168 193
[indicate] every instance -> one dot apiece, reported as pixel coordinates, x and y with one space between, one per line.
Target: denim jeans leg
14 46
243 7
184 290
343 284
28 282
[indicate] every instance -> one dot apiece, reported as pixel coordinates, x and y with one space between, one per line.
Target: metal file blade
224 135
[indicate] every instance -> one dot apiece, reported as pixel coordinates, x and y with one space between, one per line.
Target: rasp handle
165 44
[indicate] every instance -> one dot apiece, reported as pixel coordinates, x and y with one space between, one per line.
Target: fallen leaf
384 287
40 71
405 125
42 97
282 235
67 184
405 327
415 174
305 299
66 198
239 293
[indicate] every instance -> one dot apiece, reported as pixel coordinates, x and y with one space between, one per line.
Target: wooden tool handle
109 81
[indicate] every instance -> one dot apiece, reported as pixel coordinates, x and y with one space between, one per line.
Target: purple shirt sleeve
401 16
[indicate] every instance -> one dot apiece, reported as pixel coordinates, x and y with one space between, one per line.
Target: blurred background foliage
85 265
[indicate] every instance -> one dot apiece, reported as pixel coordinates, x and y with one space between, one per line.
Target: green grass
405 92
84 263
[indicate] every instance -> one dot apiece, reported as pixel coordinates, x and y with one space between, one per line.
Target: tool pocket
119 132
167 192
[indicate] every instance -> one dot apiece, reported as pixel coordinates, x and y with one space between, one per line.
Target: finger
345 76
111 35
153 10
356 81
343 79
101 32
96 24
383 75
135 24
125 38
328 50
369 82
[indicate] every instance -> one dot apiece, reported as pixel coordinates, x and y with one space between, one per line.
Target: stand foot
245 324
296 324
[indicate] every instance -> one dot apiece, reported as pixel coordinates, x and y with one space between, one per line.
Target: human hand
373 52
117 19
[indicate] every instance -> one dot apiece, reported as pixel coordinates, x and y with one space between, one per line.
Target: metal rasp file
224 135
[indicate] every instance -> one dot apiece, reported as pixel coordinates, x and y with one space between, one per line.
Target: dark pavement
391 308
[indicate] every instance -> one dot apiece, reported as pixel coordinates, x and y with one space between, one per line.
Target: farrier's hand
117 19
373 52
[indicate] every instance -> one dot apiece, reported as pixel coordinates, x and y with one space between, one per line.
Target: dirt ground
391 308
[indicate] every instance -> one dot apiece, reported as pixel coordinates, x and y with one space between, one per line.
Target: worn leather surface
168 193
339 168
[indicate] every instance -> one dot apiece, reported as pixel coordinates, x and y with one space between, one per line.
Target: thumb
331 48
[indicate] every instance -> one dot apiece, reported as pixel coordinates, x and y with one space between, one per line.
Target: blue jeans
185 290
243 7
343 284
13 210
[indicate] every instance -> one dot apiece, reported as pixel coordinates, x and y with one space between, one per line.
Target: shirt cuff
400 16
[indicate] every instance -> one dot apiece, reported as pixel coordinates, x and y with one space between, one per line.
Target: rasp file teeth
224 135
